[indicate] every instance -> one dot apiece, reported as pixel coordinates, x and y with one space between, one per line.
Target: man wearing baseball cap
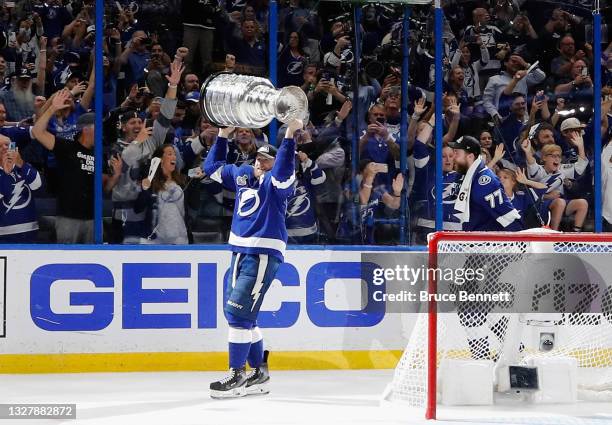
75 159
482 204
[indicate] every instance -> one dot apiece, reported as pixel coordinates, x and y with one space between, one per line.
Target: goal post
506 340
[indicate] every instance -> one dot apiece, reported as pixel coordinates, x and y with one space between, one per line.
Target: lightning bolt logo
297 206
256 292
17 191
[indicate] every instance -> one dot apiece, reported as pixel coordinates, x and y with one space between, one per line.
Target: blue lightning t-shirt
258 225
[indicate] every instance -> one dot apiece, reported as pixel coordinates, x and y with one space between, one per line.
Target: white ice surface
297 398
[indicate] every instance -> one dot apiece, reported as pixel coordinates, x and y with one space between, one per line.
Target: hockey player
482 203
258 240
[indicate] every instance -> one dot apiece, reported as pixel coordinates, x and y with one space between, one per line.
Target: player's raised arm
283 171
215 164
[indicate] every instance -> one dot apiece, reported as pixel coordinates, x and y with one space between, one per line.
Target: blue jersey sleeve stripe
508 218
283 185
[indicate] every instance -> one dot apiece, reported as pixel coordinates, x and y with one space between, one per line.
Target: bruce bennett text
424 296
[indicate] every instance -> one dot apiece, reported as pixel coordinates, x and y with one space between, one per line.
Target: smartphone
12 146
585 72
382 168
539 97
148 123
381 120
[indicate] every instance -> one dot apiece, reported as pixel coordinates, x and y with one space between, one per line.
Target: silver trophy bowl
233 100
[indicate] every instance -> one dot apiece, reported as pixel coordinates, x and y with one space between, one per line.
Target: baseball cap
571 123
267 151
72 57
467 143
128 115
85 120
24 73
193 96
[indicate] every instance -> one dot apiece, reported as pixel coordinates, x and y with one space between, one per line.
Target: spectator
137 145
136 56
249 50
514 122
521 35
64 123
578 81
301 220
471 80
74 221
515 69
376 142
18 180
191 83
55 16
556 176
163 200
561 66
158 66
486 140
525 202
292 61
198 31
488 35
374 199
425 185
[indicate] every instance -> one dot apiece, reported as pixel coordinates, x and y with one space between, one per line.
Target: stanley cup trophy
233 100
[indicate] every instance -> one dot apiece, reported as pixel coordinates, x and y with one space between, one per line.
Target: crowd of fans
518 75
46 123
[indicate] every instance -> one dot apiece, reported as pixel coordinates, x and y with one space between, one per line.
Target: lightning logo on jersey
14 202
18 209
299 203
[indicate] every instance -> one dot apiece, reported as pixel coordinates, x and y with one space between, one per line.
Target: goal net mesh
477 333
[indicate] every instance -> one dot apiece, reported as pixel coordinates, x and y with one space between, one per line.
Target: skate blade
235 393
262 388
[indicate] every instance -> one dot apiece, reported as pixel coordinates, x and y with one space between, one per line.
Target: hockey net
438 336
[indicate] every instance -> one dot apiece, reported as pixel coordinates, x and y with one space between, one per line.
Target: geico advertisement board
101 301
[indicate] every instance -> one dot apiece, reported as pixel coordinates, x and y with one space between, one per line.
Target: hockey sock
256 351
239 343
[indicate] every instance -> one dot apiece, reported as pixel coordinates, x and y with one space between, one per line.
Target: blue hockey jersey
523 200
425 177
489 206
258 224
17 208
301 218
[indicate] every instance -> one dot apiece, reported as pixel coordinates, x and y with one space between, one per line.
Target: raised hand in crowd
176 70
419 106
575 138
143 134
528 150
